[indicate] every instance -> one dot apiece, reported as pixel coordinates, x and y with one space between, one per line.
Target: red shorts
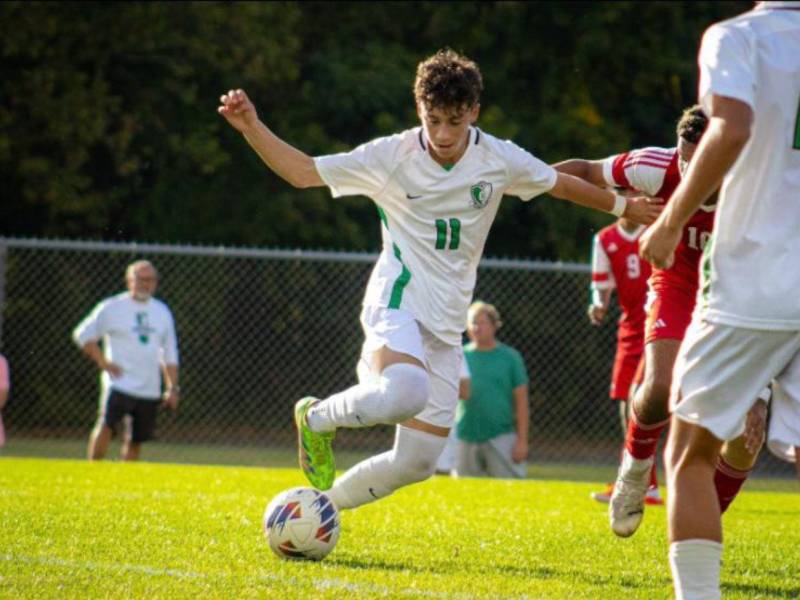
625 364
669 313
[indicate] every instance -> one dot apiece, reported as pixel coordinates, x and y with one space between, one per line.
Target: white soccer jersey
137 336
435 221
751 276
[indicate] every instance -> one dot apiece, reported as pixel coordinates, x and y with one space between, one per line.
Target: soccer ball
301 523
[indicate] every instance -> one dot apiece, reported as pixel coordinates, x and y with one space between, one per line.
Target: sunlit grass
72 529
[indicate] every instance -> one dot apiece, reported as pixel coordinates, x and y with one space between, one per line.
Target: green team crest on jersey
480 194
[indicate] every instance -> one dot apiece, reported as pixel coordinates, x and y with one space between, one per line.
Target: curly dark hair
692 124
449 81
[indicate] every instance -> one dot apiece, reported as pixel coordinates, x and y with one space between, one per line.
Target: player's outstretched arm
639 210
296 167
588 170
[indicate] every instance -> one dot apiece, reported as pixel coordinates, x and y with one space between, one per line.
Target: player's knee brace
404 392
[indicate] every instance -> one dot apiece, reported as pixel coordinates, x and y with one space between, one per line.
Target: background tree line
108 124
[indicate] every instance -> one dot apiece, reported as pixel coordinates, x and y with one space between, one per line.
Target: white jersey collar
475 136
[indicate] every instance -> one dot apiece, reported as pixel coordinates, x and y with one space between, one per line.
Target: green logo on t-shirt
480 194
143 327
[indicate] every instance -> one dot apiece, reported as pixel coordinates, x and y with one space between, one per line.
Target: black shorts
142 410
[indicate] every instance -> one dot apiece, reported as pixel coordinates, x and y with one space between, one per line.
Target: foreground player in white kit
437 188
747 329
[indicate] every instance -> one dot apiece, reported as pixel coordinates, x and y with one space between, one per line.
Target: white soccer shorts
400 331
784 424
721 369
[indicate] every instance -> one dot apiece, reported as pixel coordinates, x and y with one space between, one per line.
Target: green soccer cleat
314 449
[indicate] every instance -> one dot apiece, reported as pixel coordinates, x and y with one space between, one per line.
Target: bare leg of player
648 418
695 524
737 457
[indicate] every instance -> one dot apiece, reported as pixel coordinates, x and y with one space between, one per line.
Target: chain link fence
258 329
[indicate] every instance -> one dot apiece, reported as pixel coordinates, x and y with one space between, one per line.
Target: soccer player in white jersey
747 330
437 188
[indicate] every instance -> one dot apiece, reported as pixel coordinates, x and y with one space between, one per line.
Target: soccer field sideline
80 529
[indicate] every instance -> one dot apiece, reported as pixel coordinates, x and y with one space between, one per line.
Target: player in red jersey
671 299
616 265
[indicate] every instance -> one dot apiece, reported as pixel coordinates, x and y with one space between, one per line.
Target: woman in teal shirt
492 424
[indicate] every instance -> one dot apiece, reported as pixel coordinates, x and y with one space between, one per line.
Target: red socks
728 482
641 440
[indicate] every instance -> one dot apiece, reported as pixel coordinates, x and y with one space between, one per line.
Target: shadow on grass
359 563
518 571
759 591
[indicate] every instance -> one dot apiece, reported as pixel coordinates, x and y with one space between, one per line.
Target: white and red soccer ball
301 523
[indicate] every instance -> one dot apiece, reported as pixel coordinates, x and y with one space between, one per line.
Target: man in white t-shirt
437 189
747 328
139 344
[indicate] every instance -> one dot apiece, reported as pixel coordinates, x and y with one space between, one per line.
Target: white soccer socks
695 568
399 393
412 459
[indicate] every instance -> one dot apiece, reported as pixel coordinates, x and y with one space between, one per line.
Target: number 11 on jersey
441 234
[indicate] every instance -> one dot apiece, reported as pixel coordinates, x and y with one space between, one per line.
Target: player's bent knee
736 454
407 388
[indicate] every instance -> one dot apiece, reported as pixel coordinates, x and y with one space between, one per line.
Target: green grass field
73 529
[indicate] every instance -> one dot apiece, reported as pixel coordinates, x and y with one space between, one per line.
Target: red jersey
654 171
616 264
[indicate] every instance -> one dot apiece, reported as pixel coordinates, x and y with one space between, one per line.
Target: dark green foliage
108 124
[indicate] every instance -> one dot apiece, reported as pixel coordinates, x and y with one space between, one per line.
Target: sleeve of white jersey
642 170
726 66
362 171
602 275
170 342
91 328
528 176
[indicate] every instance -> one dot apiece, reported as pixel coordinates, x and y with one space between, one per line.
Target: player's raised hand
643 209
238 110
657 245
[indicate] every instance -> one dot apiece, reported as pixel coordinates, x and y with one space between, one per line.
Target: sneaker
653 497
605 495
626 509
314 449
